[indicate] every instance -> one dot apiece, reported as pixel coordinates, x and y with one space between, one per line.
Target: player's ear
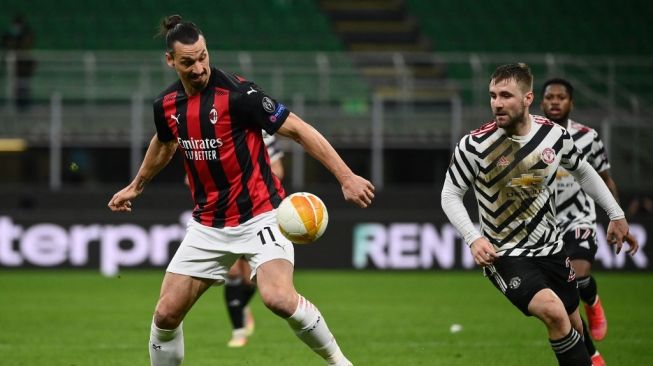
528 99
170 60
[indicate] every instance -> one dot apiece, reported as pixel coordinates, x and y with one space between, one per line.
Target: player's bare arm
355 188
158 155
483 252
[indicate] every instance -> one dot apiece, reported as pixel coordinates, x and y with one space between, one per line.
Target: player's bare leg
178 294
565 339
275 284
238 291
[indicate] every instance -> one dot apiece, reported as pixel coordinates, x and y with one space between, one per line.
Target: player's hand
121 201
358 190
483 252
618 233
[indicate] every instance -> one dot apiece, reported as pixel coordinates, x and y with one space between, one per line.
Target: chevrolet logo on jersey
562 174
526 181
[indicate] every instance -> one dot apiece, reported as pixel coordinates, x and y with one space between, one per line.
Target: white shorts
208 252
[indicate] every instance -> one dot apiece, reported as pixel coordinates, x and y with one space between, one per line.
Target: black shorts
520 278
581 244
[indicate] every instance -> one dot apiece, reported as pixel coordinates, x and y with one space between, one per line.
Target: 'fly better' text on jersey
219 134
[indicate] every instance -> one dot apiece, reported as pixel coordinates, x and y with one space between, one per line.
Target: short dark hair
559 81
174 30
520 72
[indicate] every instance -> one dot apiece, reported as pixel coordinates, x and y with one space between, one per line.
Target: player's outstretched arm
355 188
156 158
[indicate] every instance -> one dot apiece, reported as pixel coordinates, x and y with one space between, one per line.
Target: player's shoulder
541 120
552 126
577 126
230 81
485 129
169 92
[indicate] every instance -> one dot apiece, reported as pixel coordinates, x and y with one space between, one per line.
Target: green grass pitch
78 318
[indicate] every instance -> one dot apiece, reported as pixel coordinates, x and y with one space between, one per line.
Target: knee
281 301
166 318
553 314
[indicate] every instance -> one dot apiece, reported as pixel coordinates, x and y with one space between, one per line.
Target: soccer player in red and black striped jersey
215 119
511 163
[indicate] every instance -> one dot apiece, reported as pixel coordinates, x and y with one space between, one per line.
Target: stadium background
391 83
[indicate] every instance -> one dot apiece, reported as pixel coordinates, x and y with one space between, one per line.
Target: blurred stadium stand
390 82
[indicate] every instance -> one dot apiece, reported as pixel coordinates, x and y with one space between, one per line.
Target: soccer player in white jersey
511 163
575 209
239 288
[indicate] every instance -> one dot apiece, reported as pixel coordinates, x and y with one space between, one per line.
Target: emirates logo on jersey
548 155
213 116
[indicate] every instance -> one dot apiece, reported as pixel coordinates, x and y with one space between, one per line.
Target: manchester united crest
548 155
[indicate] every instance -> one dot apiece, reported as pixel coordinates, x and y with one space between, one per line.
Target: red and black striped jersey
219 134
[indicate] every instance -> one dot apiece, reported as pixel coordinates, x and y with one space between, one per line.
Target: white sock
310 327
166 346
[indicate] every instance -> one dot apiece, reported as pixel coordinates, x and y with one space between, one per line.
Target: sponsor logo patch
268 105
277 112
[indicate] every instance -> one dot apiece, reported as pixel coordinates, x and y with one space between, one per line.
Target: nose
197 68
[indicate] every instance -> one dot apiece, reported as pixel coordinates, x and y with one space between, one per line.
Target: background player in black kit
216 118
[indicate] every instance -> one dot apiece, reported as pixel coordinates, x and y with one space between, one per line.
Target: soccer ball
302 217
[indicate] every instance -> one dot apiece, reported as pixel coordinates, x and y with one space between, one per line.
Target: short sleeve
163 132
253 106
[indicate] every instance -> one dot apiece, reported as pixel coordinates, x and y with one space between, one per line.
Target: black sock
570 350
591 350
233 294
587 289
248 293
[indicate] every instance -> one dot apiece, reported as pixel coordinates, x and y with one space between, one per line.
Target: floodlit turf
80 318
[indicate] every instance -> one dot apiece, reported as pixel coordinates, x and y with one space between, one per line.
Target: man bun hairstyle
520 72
175 30
560 81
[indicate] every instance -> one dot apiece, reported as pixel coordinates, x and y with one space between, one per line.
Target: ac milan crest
213 115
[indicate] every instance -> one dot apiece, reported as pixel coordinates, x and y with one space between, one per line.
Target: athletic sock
248 291
587 339
311 328
570 350
587 289
233 296
166 346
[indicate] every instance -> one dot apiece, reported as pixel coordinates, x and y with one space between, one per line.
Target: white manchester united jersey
514 181
575 208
